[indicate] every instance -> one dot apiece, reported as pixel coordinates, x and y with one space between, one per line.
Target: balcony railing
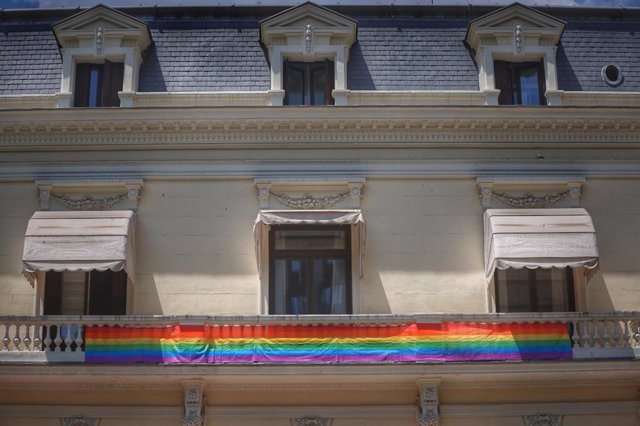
65 339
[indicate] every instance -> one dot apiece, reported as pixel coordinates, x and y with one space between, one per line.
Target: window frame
507 80
308 93
110 80
52 297
532 282
310 254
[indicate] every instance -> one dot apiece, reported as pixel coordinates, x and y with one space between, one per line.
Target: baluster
636 333
5 339
27 339
58 339
36 338
617 342
17 339
575 336
596 335
605 333
626 336
47 338
68 339
79 340
586 338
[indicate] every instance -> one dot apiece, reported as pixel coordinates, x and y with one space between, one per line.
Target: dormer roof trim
497 23
276 26
78 26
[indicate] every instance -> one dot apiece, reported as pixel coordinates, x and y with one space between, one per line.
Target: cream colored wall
18 201
424 246
614 205
195 248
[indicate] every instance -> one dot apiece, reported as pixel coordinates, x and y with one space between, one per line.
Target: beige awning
310 217
79 241
539 238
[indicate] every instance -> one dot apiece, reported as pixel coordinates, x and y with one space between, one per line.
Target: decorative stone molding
429 414
311 421
308 201
528 200
95 35
528 193
543 420
307 194
82 195
308 32
79 421
515 33
194 403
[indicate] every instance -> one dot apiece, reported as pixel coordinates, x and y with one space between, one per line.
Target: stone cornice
322 127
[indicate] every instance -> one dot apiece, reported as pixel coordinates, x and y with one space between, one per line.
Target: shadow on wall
567 79
598 296
358 73
153 80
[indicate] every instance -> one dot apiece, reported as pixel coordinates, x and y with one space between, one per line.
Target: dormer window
97 85
308 83
515 49
101 55
308 49
520 83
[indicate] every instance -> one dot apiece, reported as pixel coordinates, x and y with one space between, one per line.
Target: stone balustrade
42 339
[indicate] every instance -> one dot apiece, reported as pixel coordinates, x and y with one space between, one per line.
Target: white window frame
96 35
515 33
308 33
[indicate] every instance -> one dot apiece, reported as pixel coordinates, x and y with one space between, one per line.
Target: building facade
373 215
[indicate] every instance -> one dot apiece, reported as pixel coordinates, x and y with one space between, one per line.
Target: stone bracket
194 403
428 401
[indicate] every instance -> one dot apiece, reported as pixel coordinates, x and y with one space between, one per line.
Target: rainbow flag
327 344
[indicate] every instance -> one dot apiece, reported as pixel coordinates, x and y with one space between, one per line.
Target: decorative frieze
79 421
87 202
543 420
308 38
99 39
308 201
311 421
528 200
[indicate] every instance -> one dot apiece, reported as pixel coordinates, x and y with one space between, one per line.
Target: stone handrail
61 337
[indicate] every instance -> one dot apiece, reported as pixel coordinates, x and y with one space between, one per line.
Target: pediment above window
501 27
308 24
516 34
309 33
102 25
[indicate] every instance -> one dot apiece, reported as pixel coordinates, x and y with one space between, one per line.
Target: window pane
329 283
513 291
94 87
294 85
310 240
319 82
290 287
529 89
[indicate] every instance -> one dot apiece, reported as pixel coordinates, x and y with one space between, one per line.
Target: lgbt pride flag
327 344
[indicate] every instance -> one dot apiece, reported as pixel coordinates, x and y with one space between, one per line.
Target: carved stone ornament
87 202
79 421
312 421
99 39
308 201
543 420
518 36
430 418
193 404
528 200
308 37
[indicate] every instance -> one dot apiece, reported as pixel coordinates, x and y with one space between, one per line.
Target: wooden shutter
81 89
112 83
503 82
330 82
542 83
107 293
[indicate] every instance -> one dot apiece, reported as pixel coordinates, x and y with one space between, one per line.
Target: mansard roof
396 49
